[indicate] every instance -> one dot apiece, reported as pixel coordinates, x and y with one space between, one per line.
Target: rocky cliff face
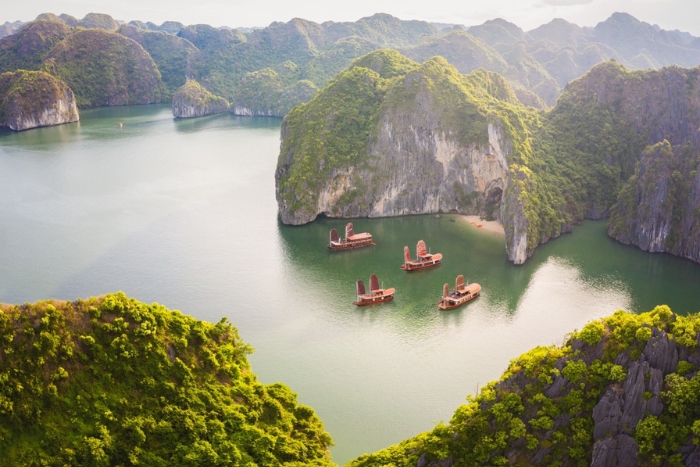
31 99
192 100
658 207
390 137
420 159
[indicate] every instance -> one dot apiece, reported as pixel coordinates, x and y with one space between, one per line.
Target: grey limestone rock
620 451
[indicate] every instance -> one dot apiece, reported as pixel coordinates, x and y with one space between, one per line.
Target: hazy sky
528 14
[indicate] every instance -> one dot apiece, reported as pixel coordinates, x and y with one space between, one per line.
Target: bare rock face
192 100
624 405
31 99
658 209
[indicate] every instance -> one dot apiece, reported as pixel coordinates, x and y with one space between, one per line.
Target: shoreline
493 227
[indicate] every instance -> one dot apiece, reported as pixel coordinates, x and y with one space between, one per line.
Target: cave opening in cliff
493 202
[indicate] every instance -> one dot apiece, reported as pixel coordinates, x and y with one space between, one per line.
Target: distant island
270 70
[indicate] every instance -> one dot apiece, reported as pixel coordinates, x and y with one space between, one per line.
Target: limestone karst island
420 238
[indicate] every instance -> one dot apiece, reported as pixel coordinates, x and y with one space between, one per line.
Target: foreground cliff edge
624 391
391 137
111 381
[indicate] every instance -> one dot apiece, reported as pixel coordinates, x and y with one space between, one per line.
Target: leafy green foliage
592 333
111 381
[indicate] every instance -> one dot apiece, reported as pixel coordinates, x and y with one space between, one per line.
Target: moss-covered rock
111 381
192 100
623 391
31 99
105 68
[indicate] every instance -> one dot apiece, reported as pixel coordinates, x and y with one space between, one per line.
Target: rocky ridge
31 99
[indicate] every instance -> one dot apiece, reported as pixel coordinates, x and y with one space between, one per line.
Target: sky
528 14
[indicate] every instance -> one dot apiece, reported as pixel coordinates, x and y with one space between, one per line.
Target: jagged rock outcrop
658 209
31 99
192 100
624 391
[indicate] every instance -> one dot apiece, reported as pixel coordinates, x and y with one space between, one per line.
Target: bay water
183 212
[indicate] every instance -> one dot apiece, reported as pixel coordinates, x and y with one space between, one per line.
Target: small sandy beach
493 227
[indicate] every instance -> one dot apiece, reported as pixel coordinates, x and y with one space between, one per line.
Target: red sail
406 254
421 250
361 288
349 232
445 291
334 236
374 283
459 283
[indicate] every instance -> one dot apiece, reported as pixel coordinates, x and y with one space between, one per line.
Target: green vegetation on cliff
192 100
337 130
563 166
111 381
170 53
27 48
622 387
105 68
29 94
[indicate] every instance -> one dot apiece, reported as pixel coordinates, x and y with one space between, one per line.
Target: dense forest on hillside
112 381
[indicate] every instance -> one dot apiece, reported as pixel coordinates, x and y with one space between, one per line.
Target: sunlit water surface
183 213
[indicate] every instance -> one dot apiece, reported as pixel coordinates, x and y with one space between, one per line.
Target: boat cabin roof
360 236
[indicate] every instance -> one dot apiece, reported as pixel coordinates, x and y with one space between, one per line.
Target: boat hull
349 245
450 305
412 266
375 299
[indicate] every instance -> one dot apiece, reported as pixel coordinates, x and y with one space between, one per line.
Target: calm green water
184 213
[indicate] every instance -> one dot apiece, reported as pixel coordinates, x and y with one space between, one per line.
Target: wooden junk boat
423 258
352 240
376 293
462 294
